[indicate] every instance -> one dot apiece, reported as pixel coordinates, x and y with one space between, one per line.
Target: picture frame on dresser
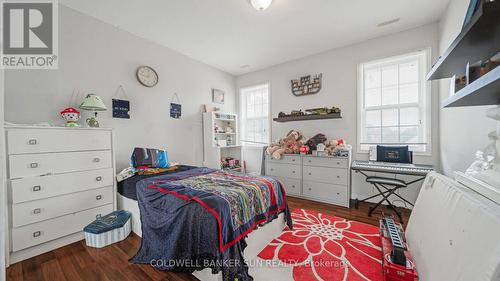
56 176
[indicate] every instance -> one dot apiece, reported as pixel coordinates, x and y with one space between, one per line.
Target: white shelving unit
220 139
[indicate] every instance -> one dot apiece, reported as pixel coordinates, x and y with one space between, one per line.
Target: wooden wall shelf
308 117
478 40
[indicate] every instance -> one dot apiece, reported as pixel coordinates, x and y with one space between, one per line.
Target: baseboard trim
18 256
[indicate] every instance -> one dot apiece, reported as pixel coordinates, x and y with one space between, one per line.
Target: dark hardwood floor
77 262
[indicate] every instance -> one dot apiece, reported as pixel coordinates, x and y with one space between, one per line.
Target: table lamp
93 103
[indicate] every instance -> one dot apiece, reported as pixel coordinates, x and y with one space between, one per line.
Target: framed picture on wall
218 96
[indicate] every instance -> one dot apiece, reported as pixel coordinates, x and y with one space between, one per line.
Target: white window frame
424 103
243 118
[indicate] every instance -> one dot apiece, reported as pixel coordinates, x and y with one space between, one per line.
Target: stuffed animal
71 116
287 145
334 146
331 147
314 141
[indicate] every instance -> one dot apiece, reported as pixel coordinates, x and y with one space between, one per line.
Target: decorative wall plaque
306 86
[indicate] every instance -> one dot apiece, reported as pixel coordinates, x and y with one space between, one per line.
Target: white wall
463 130
339 68
96 57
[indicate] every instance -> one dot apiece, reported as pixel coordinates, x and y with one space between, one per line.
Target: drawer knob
272 169
33 165
32 142
338 193
293 186
309 189
97 159
98 197
338 177
309 173
99 178
37 234
293 160
293 172
37 211
310 161
36 188
338 163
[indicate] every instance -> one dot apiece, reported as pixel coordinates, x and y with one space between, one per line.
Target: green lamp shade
93 102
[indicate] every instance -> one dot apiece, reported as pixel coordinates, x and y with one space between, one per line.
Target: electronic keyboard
393 168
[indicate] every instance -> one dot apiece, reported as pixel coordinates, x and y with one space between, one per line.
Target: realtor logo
29 39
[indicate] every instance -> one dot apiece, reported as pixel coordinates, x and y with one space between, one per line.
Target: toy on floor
397 262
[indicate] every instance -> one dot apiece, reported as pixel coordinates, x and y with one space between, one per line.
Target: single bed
183 229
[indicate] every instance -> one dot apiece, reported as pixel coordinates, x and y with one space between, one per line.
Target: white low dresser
59 180
320 178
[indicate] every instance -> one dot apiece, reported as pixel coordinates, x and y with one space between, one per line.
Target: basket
108 229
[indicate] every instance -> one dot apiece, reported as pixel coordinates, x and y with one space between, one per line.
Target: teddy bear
287 145
314 141
334 146
331 147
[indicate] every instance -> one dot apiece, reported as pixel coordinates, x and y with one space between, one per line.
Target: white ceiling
228 34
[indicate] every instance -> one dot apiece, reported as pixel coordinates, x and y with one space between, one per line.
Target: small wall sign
175 110
175 107
121 109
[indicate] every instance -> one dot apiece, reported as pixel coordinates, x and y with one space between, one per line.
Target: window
254 108
392 103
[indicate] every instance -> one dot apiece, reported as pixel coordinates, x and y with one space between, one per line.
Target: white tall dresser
59 180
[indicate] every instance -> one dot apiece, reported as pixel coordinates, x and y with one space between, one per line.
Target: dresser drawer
26 165
326 192
292 186
37 233
287 159
283 170
34 188
56 140
332 162
39 210
326 175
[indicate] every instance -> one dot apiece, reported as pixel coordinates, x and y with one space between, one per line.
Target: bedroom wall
96 57
463 130
339 68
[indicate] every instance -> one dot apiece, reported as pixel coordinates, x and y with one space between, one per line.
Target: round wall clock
147 76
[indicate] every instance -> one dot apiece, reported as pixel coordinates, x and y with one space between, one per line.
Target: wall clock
147 76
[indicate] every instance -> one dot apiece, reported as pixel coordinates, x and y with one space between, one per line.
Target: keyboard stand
385 187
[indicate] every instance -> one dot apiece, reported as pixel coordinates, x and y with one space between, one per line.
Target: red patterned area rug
323 247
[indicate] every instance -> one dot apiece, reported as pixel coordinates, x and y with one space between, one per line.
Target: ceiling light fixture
261 5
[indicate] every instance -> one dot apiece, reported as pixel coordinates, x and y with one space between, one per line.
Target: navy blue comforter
180 234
